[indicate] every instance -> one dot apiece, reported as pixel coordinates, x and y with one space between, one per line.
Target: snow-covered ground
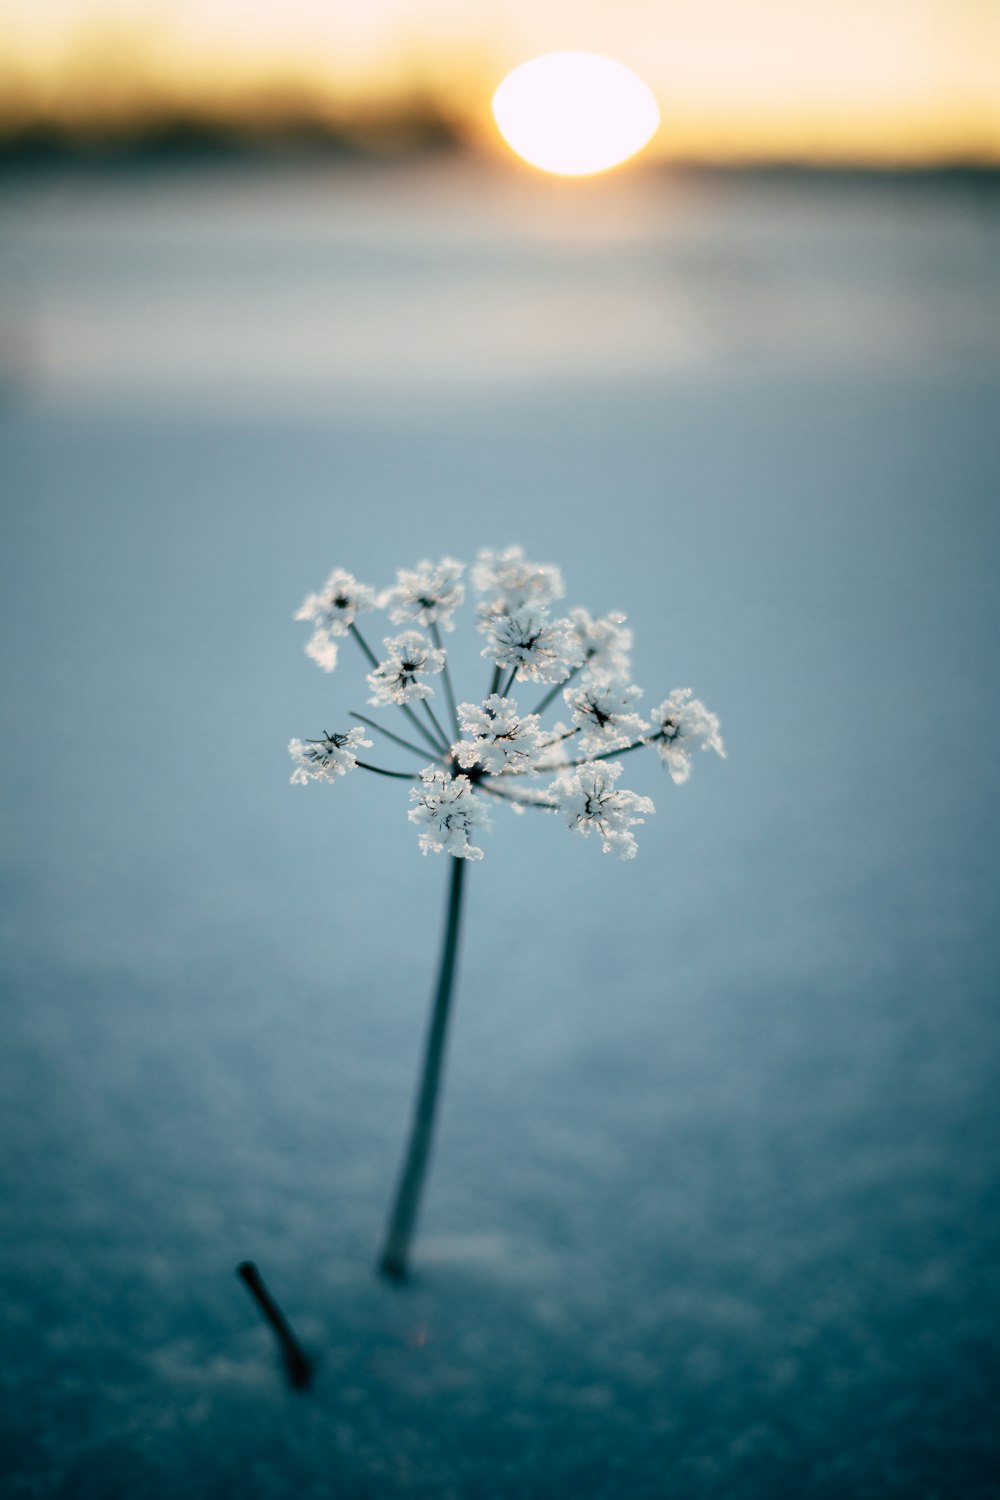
714 1210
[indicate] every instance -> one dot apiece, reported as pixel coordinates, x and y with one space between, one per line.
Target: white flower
502 739
541 649
428 593
509 582
326 759
332 612
448 811
587 798
395 680
605 643
602 710
685 725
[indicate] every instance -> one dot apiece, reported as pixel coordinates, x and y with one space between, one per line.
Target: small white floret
397 679
448 813
509 582
603 713
541 649
328 758
605 643
332 613
429 593
684 725
587 798
501 739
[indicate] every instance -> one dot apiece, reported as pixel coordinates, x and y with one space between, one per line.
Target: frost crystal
587 798
509 582
448 811
429 593
602 710
326 759
487 751
685 725
395 680
332 612
541 649
501 740
605 644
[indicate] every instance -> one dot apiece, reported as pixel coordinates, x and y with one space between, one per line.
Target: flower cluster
493 750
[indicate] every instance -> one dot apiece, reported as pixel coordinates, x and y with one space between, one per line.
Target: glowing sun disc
575 112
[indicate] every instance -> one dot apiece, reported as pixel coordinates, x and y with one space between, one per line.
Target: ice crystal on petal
326 759
685 725
332 613
605 644
603 712
509 582
503 755
396 680
448 811
587 798
502 740
429 593
541 649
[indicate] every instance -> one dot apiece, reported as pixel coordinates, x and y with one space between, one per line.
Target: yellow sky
847 79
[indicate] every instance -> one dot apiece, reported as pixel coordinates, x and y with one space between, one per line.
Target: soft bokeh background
714 1209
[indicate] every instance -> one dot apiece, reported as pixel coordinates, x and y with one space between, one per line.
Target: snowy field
714 1210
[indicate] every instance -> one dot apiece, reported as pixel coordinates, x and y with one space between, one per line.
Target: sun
575 112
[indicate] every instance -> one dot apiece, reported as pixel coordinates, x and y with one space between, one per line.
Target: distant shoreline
187 143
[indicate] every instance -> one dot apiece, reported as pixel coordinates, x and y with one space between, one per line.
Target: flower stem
553 692
394 1260
400 775
297 1362
486 785
398 738
510 683
563 765
448 689
434 720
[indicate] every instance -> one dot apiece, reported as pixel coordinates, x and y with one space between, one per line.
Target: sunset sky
880 80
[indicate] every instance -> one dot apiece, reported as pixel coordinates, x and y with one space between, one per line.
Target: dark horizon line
183 140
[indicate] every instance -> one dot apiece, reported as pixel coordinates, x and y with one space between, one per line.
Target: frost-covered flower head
537 648
332 612
603 712
588 800
508 582
448 811
397 679
429 593
492 751
502 739
328 758
605 644
685 725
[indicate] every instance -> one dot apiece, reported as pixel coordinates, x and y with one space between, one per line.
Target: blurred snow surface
714 1208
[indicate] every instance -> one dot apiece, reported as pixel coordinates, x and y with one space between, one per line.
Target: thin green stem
449 691
555 690
400 775
363 644
444 745
527 801
495 680
394 1260
398 738
586 760
510 682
